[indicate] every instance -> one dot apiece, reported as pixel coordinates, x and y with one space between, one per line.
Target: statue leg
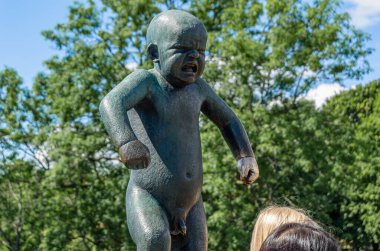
147 221
197 228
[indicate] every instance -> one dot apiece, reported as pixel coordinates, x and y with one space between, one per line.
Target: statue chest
178 106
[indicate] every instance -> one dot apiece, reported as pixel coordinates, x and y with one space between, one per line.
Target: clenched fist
248 169
134 155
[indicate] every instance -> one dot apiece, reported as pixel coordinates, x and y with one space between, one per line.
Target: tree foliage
62 187
357 163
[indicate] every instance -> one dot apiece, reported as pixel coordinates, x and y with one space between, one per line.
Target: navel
189 175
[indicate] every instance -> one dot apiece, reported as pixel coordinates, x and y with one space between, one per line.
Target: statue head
176 44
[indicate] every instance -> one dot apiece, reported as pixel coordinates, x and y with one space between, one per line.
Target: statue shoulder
140 76
204 87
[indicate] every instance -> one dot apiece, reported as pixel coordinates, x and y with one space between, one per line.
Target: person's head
272 217
299 237
176 44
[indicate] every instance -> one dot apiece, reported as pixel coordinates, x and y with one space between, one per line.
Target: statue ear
153 52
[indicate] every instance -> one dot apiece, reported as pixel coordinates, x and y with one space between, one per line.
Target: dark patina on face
177 47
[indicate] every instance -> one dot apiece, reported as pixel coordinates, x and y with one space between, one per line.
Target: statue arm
233 132
113 110
123 97
227 122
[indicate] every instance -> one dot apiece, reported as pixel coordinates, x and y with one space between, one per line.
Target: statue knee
158 240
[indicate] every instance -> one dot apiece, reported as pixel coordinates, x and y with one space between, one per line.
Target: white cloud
131 66
323 92
365 13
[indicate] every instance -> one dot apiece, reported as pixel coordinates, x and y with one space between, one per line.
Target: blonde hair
274 216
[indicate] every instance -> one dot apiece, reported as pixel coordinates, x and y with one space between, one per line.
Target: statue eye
180 48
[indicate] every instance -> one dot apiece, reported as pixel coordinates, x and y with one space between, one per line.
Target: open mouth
190 67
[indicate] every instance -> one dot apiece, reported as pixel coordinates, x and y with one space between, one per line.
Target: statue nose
194 54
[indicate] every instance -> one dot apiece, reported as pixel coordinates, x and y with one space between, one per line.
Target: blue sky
21 44
22 47
365 14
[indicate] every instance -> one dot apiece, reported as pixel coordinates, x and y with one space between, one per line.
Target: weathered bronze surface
152 117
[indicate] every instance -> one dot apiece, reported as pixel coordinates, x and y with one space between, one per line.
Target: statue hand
134 155
248 169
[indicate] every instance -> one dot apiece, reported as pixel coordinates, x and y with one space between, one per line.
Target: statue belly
174 176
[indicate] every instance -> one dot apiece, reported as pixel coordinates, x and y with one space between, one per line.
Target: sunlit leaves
62 187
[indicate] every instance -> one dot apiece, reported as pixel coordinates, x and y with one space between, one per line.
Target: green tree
260 53
280 48
20 169
357 163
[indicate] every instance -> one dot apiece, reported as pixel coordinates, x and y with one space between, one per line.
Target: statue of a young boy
158 138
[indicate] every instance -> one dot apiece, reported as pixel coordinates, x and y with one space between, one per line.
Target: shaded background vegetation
62 188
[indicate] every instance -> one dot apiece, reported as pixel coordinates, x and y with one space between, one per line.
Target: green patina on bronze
152 117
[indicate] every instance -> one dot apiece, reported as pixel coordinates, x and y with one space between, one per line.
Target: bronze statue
152 118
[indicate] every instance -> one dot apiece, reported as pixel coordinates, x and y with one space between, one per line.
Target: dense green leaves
62 188
280 49
294 168
357 167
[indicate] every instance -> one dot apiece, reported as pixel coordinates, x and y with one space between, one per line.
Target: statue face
182 55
